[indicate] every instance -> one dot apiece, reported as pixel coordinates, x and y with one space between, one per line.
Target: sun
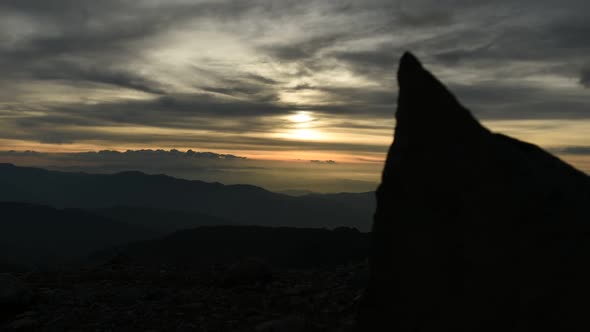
301 117
301 126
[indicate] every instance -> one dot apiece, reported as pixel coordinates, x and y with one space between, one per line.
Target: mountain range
55 216
41 235
243 204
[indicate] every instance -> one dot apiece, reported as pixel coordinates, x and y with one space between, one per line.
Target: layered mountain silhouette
162 221
233 204
281 247
474 230
40 235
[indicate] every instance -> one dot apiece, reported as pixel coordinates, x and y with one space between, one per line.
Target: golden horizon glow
306 127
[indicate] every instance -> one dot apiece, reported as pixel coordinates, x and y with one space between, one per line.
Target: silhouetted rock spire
426 109
474 231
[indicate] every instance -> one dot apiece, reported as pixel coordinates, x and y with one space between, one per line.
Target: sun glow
301 117
301 127
305 134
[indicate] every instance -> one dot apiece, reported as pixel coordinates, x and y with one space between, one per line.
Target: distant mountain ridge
243 204
42 235
163 221
281 247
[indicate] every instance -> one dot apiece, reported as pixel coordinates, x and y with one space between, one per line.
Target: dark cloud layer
576 150
236 67
585 77
76 73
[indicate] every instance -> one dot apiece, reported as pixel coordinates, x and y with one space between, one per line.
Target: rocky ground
248 296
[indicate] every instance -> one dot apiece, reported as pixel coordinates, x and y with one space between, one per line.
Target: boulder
474 230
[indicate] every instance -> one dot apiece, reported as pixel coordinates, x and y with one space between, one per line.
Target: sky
283 94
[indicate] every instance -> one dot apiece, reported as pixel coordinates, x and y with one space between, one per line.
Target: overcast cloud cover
311 80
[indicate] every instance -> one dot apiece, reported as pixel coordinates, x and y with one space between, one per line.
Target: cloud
76 73
134 155
304 49
323 162
428 18
190 163
576 150
226 71
147 154
261 79
208 166
498 100
585 78
378 63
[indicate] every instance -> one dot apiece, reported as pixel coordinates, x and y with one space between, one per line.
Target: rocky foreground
123 296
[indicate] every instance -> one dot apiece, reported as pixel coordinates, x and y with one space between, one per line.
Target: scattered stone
359 277
118 304
248 271
23 324
287 324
